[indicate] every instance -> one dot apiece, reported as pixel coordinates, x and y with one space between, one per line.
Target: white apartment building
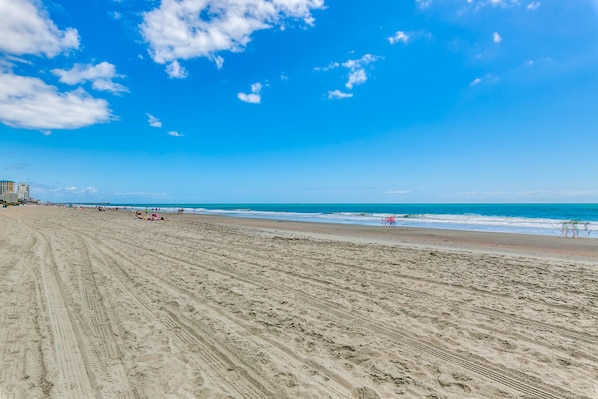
23 192
12 193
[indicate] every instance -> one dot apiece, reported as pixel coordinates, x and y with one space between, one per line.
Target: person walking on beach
565 230
585 228
574 230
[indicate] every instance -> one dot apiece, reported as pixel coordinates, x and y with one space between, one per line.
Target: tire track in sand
513 379
225 371
242 254
191 334
70 375
18 362
514 319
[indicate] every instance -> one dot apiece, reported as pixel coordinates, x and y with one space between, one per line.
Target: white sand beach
100 305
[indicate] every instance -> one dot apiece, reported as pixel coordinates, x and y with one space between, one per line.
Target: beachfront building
7 186
9 198
11 193
23 192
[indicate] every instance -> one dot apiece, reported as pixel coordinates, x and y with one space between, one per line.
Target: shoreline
508 243
568 219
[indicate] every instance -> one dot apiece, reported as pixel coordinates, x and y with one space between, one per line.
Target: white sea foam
453 222
471 221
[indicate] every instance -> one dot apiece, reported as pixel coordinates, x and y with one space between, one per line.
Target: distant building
23 192
9 198
12 194
7 186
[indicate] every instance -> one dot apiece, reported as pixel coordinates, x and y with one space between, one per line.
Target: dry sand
99 305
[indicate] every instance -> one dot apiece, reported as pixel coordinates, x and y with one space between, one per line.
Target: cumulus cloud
337 95
254 97
99 75
153 121
357 73
185 29
399 36
496 37
476 81
365 60
174 133
30 103
356 77
176 71
27 29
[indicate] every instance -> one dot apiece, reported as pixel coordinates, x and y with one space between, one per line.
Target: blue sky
212 101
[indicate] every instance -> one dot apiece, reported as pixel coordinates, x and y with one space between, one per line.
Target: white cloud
533 6
356 77
337 95
29 103
18 59
218 60
99 75
366 59
185 29
357 74
174 133
399 36
7 63
479 4
153 121
496 37
254 97
488 79
328 67
176 71
27 29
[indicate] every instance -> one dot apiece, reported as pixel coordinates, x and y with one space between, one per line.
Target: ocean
542 219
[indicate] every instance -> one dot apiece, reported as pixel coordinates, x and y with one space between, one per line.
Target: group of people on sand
154 216
572 228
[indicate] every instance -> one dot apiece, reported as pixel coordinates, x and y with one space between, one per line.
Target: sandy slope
99 305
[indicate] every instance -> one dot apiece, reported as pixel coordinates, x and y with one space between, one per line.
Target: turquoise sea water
544 219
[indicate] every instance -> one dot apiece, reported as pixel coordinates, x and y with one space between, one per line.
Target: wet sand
100 305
